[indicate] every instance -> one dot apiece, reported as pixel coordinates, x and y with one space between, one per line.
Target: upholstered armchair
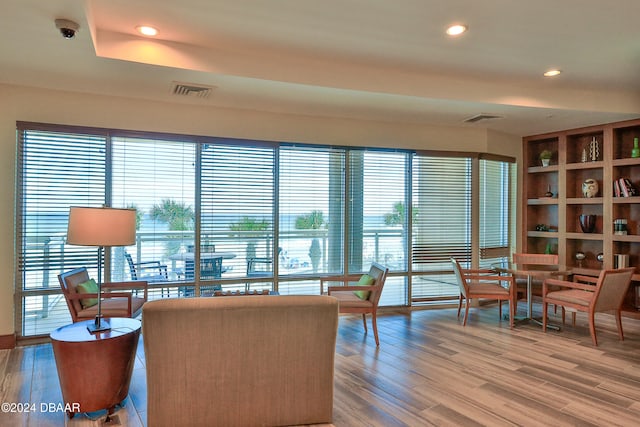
118 299
606 294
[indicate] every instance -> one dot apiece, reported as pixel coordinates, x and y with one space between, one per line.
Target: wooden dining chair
605 295
359 294
483 284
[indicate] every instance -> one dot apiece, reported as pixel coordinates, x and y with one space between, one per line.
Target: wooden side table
95 369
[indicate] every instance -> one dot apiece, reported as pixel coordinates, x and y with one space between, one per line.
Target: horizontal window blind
237 208
495 212
157 178
442 221
311 210
442 201
378 215
56 170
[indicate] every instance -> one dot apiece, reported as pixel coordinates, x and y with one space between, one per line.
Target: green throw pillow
365 280
88 287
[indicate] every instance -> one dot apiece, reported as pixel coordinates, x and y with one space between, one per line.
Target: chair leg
619 323
544 316
499 309
592 328
374 324
573 318
466 311
563 314
364 322
511 314
459 304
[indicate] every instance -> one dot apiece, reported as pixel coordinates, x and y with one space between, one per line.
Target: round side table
95 368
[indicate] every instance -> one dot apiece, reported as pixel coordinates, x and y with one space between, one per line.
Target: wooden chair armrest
491 278
79 296
478 271
351 288
117 295
589 279
343 279
564 284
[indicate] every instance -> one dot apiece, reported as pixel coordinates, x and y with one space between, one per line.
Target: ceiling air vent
482 116
192 90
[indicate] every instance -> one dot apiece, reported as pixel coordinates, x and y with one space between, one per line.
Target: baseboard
7 342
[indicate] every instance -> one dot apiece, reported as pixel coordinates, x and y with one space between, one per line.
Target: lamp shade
101 226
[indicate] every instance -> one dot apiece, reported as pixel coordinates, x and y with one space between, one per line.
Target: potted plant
545 157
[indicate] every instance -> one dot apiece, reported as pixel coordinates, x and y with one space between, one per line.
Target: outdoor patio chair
149 271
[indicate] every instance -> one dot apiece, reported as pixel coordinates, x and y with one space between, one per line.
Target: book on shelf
623 187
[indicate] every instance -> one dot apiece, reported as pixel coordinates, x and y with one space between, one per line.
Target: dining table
205 257
531 271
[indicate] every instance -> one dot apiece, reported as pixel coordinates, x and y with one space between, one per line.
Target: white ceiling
367 59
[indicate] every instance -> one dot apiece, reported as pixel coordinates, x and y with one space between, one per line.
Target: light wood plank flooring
429 370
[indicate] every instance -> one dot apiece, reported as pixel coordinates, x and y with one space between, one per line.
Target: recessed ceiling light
145 30
456 30
552 73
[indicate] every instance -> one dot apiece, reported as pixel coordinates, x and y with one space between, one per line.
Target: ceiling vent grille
192 90
482 116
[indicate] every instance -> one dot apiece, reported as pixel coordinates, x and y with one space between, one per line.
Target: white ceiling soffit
345 58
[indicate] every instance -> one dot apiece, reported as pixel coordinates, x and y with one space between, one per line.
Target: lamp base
99 325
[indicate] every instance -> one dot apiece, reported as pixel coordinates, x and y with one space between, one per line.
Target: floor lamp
102 227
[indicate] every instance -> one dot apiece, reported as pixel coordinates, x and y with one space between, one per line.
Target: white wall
45 106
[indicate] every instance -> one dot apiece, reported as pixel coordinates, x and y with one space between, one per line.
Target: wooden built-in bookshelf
564 178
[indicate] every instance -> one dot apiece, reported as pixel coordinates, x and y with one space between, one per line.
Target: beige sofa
240 360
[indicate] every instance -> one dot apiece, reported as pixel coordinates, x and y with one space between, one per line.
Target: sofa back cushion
240 361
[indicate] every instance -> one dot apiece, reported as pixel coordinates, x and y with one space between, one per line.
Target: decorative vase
635 152
590 188
545 162
587 223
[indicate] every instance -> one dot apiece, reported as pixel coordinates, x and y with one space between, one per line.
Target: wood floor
429 370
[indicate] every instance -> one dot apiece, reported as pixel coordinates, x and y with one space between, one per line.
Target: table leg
529 297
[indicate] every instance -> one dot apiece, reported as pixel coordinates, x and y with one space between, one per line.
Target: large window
216 213
442 224
377 217
57 170
311 212
495 210
157 177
